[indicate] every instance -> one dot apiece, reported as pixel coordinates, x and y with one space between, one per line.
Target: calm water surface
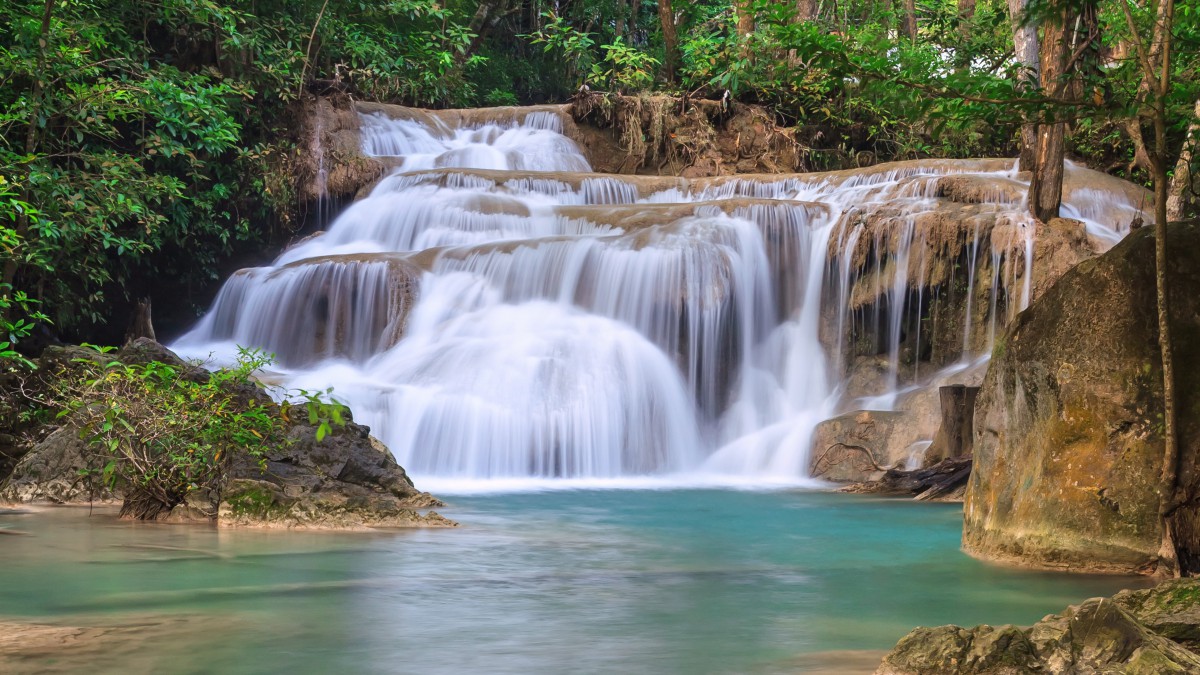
672 581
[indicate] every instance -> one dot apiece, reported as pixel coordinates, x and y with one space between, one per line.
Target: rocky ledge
346 480
1148 631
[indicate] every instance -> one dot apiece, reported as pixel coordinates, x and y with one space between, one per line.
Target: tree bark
1183 182
1176 523
966 14
671 56
955 435
1026 51
806 10
745 17
908 24
140 324
1045 186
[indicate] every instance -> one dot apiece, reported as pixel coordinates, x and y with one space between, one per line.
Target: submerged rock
1068 444
1148 631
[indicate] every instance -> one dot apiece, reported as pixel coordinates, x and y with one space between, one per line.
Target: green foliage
573 46
620 66
148 145
624 68
143 145
161 432
24 313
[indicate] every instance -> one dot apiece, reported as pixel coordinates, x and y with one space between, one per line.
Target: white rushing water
497 313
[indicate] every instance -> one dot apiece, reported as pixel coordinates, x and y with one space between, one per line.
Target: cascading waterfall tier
495 311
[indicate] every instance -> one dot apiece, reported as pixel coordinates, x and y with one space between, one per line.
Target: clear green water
687 581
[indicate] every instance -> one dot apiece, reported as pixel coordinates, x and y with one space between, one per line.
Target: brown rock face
333 165
861 445
1068 446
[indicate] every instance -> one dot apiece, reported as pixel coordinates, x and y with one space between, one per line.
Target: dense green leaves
140 142
145 146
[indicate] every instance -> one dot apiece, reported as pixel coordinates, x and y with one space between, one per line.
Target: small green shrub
160 432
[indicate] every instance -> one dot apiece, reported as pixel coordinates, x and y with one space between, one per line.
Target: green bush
159 432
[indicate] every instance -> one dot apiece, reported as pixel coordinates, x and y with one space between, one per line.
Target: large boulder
1068 428
53 471
347 480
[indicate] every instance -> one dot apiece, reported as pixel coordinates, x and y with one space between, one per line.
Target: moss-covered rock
1068 429
346 480
1171 609
1134 632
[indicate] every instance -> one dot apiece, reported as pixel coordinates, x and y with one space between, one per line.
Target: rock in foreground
1146 631
346 480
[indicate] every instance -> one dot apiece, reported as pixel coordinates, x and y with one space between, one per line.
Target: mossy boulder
1171 609
1133 632
345 480
1068 430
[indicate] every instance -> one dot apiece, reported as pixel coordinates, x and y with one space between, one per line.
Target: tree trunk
140 325
1045 186
806 10
745 17
1183 182
1168 553
1026 51
954 438
1177 543
671 57
908 24
966 14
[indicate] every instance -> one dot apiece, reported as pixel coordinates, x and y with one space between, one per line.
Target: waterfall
496 312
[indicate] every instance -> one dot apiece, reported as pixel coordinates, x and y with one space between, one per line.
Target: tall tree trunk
745 17
806 10
745 25
908 23
633 19
1172 519
966 14
620 9
1045 186
1025 46
671 56
1183 181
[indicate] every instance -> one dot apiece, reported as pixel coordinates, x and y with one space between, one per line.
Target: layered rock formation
1068 427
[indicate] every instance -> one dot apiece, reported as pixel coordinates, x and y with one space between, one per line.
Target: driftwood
941 480
854 453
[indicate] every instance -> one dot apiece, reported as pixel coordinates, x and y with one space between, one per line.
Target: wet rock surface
1146 631
1068 447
